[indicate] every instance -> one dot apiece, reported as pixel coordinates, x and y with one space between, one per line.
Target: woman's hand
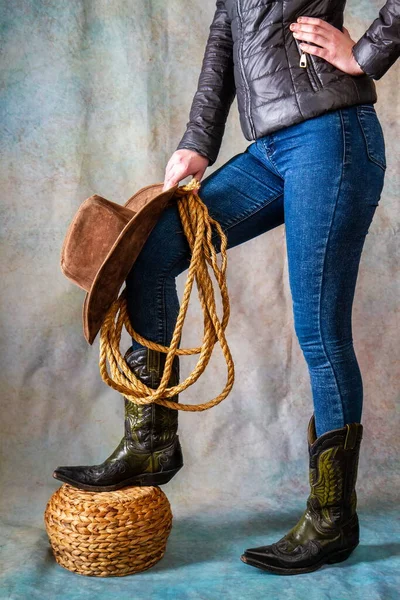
182 163
333 45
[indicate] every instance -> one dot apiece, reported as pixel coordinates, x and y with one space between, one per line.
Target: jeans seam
161 312
323 267
164 313
269 157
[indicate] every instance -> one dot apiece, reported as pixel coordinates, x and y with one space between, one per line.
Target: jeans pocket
373 134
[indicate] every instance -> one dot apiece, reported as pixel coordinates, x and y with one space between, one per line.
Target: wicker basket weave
107 534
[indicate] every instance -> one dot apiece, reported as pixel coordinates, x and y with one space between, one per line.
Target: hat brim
121 257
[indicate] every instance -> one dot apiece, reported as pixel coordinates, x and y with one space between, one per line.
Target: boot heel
340 556
158 478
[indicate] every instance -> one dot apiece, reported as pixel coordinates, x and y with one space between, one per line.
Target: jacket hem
293 110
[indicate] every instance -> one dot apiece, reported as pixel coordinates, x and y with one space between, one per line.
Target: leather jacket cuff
370 59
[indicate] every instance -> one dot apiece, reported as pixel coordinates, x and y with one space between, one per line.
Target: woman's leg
243 195
333 167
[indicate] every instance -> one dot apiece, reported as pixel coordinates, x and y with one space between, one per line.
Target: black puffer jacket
252 52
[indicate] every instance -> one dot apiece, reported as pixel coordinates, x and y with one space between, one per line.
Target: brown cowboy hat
102 243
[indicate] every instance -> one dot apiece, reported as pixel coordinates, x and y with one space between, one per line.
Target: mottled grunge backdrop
95 96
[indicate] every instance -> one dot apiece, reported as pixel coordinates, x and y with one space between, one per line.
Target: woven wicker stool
108 534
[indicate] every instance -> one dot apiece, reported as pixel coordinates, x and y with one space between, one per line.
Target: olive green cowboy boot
328 530
150 452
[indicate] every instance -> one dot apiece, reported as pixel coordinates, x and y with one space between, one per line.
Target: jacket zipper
240 14
309 65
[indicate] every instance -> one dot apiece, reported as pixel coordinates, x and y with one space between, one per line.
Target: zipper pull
303 59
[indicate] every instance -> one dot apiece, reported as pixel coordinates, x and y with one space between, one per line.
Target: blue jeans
323 179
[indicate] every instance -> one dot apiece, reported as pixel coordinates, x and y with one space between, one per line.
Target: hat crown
90 237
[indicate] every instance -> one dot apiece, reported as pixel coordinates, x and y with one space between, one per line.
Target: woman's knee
321 347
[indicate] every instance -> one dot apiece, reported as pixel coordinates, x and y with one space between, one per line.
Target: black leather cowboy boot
328 530
150 452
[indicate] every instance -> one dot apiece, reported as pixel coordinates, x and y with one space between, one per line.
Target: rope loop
197 225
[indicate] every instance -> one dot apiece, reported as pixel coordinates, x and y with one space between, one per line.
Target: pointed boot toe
259 551
68 474
108 476
74 475
262 557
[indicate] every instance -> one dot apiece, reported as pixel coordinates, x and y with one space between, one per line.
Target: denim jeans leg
243 195
332 189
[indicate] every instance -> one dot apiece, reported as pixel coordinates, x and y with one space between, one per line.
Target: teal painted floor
202 561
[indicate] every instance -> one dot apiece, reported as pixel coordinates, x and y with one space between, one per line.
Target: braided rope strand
197 225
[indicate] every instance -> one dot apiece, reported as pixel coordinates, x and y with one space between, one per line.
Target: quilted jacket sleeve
379 47
215 90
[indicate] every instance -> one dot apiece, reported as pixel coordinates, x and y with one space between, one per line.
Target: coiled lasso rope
197 224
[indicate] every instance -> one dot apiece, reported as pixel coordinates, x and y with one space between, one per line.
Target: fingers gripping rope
197 224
